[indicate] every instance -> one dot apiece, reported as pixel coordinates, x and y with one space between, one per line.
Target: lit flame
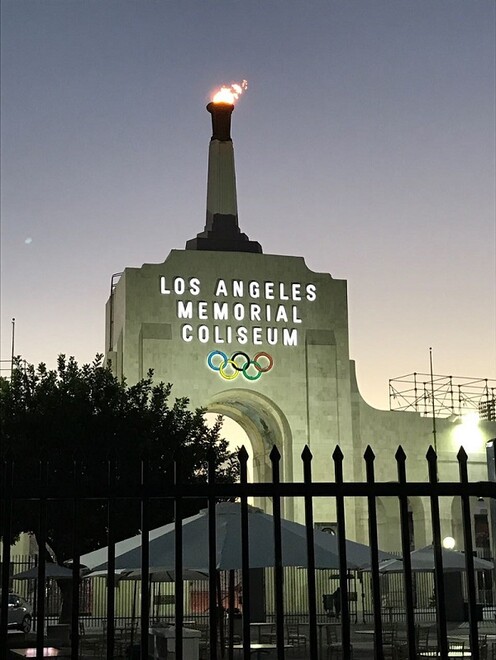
230 94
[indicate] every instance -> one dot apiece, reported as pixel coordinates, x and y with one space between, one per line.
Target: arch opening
262 424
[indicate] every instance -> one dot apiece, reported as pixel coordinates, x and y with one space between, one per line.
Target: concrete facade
170 317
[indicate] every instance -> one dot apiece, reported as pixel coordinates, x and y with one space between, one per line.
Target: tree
85 411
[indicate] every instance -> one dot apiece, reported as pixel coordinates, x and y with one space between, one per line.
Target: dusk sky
365 143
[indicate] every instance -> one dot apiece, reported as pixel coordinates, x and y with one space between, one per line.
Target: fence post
145 553
275 458
41 538
312 607
245 552
212 558
343 566
469 555
6 510
405 547
76 568
491 475
438 556
369 457
111 467
179 584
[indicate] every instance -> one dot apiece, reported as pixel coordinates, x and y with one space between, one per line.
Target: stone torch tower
222 231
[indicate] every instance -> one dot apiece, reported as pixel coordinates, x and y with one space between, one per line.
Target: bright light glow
230 94
236 438
449 543
468 434
470 419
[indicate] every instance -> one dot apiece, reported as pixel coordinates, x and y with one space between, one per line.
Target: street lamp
449 543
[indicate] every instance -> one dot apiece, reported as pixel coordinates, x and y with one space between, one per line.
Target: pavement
362 638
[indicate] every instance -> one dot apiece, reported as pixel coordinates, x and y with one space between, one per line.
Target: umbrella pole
35 596
133 612
231 614
150 597
35 601
220 615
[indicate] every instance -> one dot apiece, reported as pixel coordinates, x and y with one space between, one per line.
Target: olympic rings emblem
230 368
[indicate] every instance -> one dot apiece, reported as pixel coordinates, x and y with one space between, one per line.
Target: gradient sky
365 143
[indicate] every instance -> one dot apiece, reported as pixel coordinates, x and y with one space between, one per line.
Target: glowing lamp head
230 94
449 543
471 419
467 432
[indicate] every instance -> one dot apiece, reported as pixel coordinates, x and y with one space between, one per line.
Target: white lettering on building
276 322
184 309
220 311
186 332
221 289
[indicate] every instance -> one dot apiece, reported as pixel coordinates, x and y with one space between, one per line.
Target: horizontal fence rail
89 484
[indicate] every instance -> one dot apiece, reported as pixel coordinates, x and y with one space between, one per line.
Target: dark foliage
85 413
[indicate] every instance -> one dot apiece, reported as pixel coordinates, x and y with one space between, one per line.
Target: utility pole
434 434
12 353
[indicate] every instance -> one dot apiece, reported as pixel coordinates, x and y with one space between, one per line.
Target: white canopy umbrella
97 557
154 575
228 544
52 570
423 560
93 559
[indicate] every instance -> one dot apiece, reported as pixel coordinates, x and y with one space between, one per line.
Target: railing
42 493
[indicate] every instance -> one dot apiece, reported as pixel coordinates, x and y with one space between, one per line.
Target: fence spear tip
243 454
369 454
306 454
431 454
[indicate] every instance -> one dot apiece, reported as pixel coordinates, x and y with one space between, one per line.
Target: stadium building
263 340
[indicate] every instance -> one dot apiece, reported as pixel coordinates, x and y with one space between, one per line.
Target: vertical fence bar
245 553
145 554
212 559
491 476
275 458
405 548
343 567
230 633
438 557
369 457
76 569
41 538
111 469
179 585
6 511
221 614
312 605
469 556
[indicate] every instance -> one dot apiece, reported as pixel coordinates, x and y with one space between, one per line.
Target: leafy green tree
85 412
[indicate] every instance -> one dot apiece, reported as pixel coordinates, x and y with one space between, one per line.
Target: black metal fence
46 496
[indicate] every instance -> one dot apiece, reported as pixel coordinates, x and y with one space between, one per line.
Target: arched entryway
266 426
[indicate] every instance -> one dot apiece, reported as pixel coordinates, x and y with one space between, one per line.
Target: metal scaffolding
443 396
